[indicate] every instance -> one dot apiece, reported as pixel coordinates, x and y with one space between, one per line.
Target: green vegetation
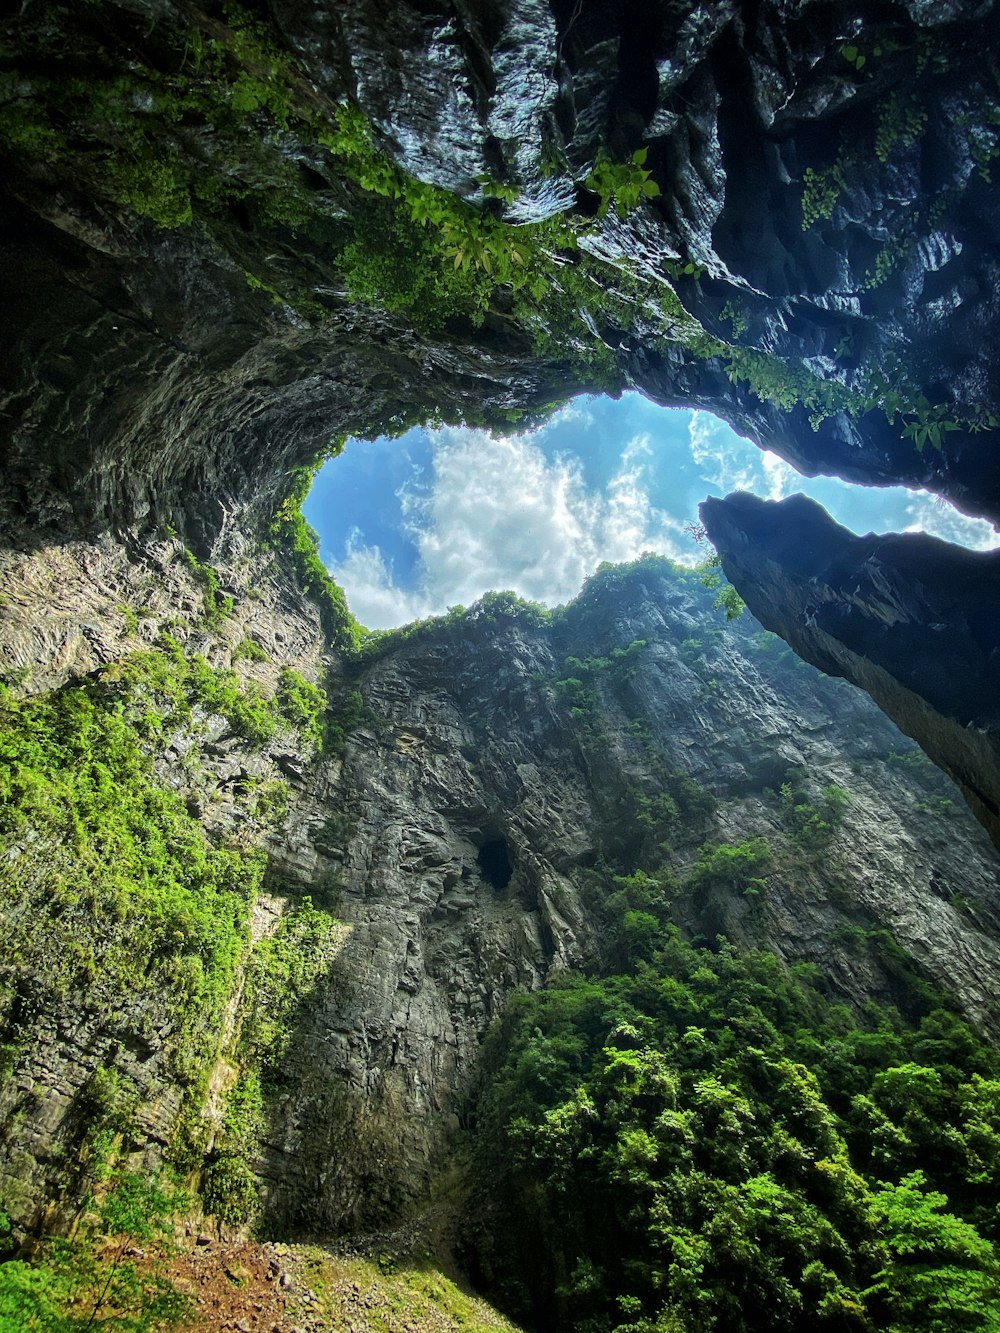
282 970
811 825
291 534
107 875
302 705
578 688
394 1293
200 125
92 1280
114 891
708 1142
622 184
216 605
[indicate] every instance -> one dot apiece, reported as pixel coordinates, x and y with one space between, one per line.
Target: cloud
931 513
576 412
371 592
781 479
725 460
498 513
509 512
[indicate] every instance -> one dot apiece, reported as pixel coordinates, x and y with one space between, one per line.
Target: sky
412 526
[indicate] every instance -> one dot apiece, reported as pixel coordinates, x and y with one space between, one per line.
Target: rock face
499 767
472 748
913 621
187 233
173 234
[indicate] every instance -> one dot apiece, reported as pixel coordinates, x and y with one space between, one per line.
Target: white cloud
726 461
781 478
576 412
931 513
497 513
493 513
371 593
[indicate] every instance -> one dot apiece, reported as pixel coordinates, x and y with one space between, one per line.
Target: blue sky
409 527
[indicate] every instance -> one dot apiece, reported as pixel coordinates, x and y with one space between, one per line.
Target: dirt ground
245 1286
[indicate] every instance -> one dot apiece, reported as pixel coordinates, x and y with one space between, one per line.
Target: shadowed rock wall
910 619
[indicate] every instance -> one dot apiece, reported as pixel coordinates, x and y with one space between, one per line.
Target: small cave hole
495 863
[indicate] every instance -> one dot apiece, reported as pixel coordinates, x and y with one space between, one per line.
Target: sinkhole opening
495 863
412 526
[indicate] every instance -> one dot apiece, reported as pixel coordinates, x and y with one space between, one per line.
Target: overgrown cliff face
241 233
264 893
664 733
191 313
501 770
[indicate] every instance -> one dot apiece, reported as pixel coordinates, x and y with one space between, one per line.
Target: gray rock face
913 621
472 746
176 372
172 367
465 842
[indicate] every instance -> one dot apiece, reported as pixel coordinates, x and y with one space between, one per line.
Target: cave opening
495 863
413 525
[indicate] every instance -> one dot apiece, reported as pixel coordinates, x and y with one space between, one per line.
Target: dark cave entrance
495 863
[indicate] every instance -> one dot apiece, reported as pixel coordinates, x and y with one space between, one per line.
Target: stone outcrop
913 621
173 231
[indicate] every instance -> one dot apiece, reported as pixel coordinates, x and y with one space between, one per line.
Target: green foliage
216 605
282 971
622 185
494 609
126 133
737 317
706 1142
579 688
106 873
811 825
91 1281
730 868
302 705
820 191
291 534
249 650
727 599
940 1275
901 122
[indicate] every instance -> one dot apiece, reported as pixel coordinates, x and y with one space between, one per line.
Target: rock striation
825 203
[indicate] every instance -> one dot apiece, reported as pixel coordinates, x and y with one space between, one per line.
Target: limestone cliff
263 893
243 232
493 762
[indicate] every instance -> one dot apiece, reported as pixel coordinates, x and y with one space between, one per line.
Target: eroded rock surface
472 743
910 619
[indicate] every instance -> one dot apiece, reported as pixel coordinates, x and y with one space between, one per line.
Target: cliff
439 857
242 233
269 886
